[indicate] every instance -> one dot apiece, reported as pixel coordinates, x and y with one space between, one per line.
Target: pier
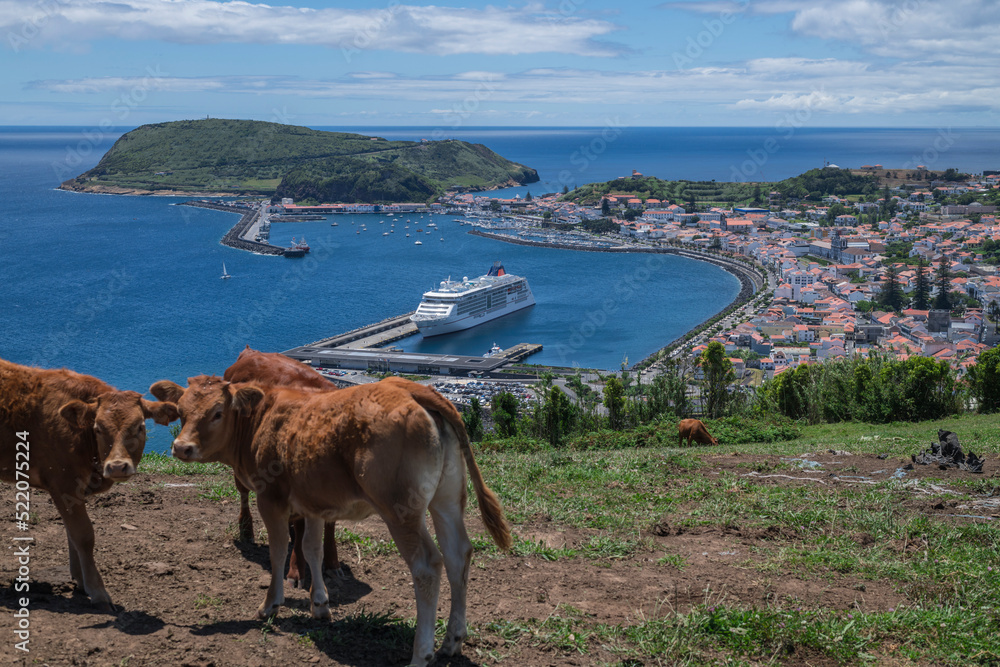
251 224
359 349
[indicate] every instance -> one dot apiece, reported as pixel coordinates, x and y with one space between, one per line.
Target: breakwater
234 237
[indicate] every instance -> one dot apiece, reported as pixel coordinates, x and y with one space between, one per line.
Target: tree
559 416
527 196
891 296
565 189
942 278
984 380
614 401
922 290
473 419
605 207
504 407
719 375
993 311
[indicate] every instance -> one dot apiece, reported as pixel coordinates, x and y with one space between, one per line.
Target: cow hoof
321 612
265 611
106 607
452 646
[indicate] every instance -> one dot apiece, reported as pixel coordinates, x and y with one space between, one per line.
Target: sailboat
225 275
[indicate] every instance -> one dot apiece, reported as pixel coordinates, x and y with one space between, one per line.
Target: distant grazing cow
693 429
270 369
394 447
73 436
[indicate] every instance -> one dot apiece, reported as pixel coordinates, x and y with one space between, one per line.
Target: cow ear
79 415
246 397
165 390
160 412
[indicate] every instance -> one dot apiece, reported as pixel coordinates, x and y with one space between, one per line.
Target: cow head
118 421
209 409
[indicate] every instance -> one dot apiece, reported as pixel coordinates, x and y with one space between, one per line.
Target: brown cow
81 437
271 369
394 447
693 429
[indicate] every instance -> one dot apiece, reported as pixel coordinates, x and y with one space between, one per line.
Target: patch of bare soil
187 593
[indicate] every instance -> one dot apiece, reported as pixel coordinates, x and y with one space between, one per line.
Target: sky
835 63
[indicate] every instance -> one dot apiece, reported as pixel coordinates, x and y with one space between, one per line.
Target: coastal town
832 265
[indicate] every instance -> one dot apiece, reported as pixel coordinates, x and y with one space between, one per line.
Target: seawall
233 238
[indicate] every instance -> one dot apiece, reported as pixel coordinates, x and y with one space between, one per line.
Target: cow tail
489 505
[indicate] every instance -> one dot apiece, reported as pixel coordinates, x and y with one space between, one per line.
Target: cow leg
447 511
246 519
74 563
275 516
417 548
331 561
80 533
295 577
312 549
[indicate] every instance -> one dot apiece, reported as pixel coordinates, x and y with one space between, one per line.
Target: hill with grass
813 184
218 156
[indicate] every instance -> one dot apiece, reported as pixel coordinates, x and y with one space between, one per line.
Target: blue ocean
127 288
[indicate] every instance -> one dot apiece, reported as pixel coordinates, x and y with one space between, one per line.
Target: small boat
407 236
442 238
417 243
333 224
494 351
419 230
224 275
385 233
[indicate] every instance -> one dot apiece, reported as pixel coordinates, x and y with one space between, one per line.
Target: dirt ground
186 592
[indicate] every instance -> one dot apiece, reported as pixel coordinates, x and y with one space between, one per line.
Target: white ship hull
449 325
466 304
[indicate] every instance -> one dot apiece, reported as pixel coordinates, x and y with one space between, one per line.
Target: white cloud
408 28
906 29
765 85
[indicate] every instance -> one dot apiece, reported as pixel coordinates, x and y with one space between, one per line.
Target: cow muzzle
119 470
185 452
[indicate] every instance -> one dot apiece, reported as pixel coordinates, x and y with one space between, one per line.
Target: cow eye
217 416
97 428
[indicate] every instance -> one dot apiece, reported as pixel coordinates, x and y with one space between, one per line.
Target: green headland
245 157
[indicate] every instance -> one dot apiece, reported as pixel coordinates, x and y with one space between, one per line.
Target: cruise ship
458 305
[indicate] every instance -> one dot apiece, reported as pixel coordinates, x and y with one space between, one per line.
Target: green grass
946 572
154 463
